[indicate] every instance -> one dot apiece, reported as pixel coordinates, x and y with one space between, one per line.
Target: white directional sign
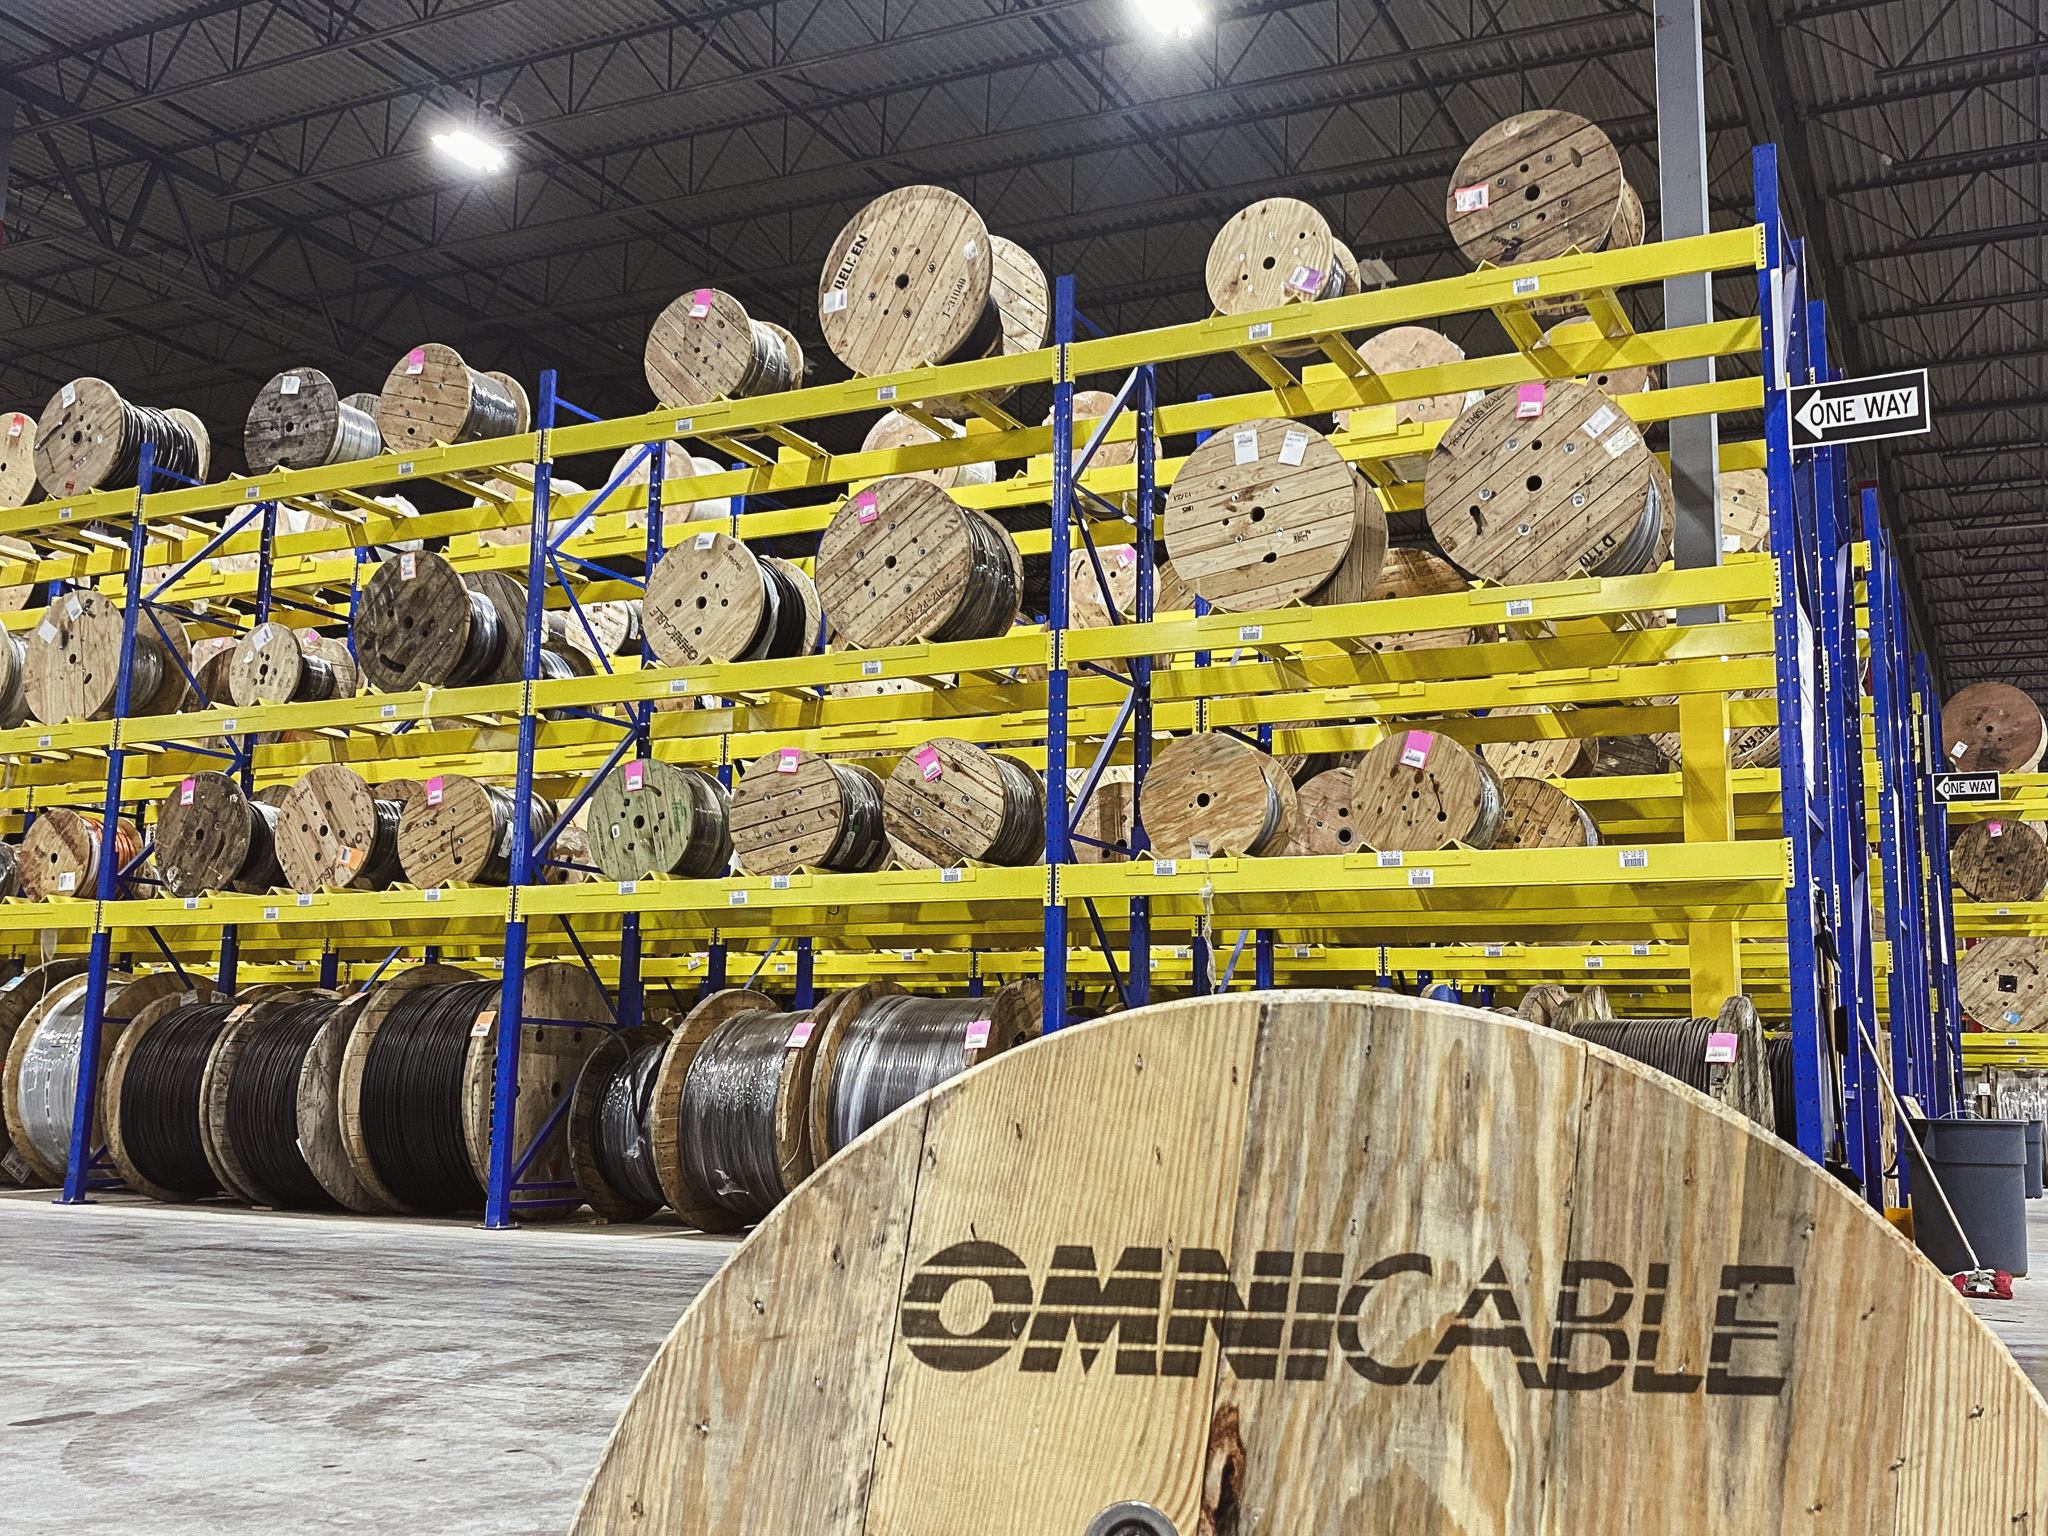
1855 410
1951 787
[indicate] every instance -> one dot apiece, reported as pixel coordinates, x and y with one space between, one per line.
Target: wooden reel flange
432 396
1542 757
72 666
327 829
1570 490
1209 795
206 831
300 421
1999 860
1536 185
1536 814
900 562
413 622
1262 515
1277 251
2002 983
17 459
955 803
1992 728
1322 822
1419 790
706 347
980 1261
790 811
648 817
907 284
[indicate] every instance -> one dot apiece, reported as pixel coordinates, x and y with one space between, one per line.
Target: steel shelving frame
1767 872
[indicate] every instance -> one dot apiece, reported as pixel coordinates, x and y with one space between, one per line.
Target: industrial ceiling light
461 145
1177 17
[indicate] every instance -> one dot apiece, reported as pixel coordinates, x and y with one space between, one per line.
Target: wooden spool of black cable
1420 790
211 837
1262 515
1999 860
908 283
1570 491
60 854
712 599
274 664
462 833
71 669
1537 814
648 818
955 803
612 1177
432 396
1023 299
334 830
301 421
1992 728
17 459
265 1108
522 403
90 439
794 810
902 561
1625 757
1536 185
1212 795
792 351
1724 1057
420 621
705 347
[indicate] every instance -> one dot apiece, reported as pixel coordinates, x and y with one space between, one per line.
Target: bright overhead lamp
1178 18
460 145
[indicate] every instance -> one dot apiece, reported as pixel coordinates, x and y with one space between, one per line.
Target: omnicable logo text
976 1304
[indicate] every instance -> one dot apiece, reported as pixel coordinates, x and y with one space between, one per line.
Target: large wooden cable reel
17 459
1537 814
1276 251
793 810
902 561
414 621
648 817
1572 490
907 284
1418 573
2002 983
711 598
1419 790
432 396
1023 298
1992 728
954 802
1536 185
1999 860
1262 515
1211 795
893 429
1540 757
72 662
705 347
1539 1325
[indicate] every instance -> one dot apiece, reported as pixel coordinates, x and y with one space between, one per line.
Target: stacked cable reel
1545 482
651 818
211 836
796 810
38 1089
19 996
705 347
71 662
678 464
1419 791
1403 349
1540 185
90 439
1420 573
1999 860
60 856
157 1128
432 396
459 832
1992 728
416 1082
953 803
1266 514
420 621
270 1126
301 420
894 429
2002 983
1211 795
333 831
902 561
712 599
1724 1057
1278 251
276 664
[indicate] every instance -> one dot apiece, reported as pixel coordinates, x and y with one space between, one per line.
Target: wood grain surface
1546 182
1250 531
1992 728
1418 790
1210 795
1999 860
905 282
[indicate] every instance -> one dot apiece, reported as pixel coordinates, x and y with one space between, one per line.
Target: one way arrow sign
1952 787
1856 410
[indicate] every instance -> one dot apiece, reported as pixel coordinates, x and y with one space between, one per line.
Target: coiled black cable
863 836
893 1050
989 597
1778 1053
263 1104
177 450
1674 1046
483 647
381 864
260 870
727 1113
625 1148
784 632
540 815
160 1108
412 1097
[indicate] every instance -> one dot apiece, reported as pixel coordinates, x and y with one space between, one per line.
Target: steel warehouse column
1777 286
84 1106
1146 399
1055 957
1688 300
806 984
632 1008
512 994
1948 1027
1262 944
231 933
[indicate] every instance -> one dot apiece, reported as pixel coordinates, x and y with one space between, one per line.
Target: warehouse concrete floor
174 1370
2023 1322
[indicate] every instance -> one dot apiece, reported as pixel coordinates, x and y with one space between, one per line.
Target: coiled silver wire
727 1113
48 1086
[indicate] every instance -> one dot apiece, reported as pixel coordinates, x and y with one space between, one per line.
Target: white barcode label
778 882
1619 442
387 711
970 250
42 741
1635 858
629 887
1262 331
683 424
1302 951
703 541
67 881
735 898
68 394
1389 858
1640 951
871 669
1198 848
834 302
191 903
431 895
270 914
949 877
1594 962
679 685
1730 543
46 632
1422 877
482 1026
1165 866
886 392
1494 951
305 900
1245 445
289 385
1600 421
229 724
408 566
1470 199
1524 286
1292 447
1521 607
1249 632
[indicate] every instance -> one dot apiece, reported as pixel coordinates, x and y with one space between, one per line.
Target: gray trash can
2033 1170
1982 1167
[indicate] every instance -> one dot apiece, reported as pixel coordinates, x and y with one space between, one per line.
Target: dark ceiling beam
1973 162
1963 304
1953 240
